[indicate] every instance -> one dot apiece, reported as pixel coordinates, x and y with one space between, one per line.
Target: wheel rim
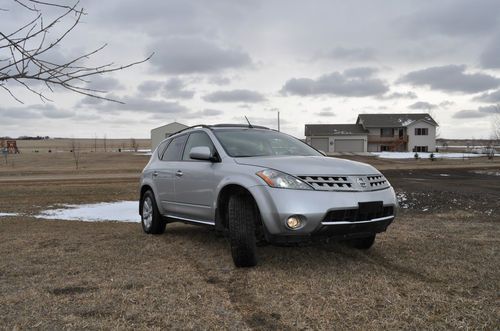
147 212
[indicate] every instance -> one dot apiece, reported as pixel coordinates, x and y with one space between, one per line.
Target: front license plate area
370 210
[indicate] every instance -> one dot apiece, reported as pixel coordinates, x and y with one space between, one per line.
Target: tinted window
246 143
161 148
174 149
197 139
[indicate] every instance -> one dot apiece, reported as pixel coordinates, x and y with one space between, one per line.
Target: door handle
179 173
155 173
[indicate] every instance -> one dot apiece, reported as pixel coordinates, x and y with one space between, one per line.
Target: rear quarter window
174 149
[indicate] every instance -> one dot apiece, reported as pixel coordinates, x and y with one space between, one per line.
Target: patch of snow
121 211
8 214
406 123
444 175
411 155
402 200
144 153
487 172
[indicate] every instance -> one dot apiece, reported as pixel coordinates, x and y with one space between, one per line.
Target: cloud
399 95
422 105
174 88
490 58
48 111
492 109
352 54
105 84
466 113
204 113
446 103
192 54
149 88
235 96
219 80
491 97
136 104
326 113
455 18
479 113
450 78
355 82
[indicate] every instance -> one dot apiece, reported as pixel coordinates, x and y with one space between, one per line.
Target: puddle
121 211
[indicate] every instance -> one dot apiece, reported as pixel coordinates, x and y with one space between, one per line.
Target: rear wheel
152 221
241 217
363 243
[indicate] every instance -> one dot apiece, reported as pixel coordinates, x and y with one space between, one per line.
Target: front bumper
276 205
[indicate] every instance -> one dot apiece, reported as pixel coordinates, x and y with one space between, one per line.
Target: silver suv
255 184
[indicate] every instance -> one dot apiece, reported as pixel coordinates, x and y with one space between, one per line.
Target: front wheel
151 220
242 231
363 243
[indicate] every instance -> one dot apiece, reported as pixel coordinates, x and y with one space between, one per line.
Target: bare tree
134 144
104 141
23 53
75 151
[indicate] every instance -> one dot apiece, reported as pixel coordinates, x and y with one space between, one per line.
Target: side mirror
201 153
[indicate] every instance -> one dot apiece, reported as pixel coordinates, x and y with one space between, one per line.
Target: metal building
162 132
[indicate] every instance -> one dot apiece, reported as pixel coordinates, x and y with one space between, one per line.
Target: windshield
247 143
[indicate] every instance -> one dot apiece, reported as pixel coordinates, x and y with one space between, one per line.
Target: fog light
293 222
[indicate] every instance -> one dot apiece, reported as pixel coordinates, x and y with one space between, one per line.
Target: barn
162 132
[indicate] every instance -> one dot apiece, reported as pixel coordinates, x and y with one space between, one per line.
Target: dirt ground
437 267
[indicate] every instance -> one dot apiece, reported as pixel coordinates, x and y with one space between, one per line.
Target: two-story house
376 133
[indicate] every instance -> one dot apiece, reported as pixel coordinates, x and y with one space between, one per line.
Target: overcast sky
314 61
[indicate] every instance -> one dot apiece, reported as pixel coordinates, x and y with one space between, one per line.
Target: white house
376 133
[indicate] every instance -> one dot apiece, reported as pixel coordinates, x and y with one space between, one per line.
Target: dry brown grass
429 271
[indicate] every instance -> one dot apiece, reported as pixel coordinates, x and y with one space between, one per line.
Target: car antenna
249 124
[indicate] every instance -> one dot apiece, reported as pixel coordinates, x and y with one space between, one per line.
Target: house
337 137
162 132
376 133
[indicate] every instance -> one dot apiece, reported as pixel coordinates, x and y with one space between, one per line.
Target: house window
385 148
387 132
421 131
421 149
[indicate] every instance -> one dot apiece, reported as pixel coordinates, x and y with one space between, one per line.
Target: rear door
165 173
195 183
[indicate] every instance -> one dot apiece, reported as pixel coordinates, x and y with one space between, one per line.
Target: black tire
363 243
156 224
241 217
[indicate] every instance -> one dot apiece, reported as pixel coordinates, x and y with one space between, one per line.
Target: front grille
346 183
376 181
353 215
328 183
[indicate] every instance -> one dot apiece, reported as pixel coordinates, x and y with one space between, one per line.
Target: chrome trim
190 220
359 222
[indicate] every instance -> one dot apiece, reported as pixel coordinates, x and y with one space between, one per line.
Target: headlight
279 179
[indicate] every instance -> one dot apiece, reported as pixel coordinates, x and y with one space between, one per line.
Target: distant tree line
25 138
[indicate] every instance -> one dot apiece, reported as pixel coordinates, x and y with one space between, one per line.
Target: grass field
437 267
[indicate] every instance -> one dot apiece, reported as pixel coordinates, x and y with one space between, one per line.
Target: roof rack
192 127
239 126
221 126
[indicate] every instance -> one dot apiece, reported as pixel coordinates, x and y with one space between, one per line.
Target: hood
310 165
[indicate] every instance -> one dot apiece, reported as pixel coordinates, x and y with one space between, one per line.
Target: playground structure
10 146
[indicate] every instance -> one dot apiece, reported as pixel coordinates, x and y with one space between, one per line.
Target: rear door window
174 149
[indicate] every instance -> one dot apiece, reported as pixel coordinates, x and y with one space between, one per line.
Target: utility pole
278 121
